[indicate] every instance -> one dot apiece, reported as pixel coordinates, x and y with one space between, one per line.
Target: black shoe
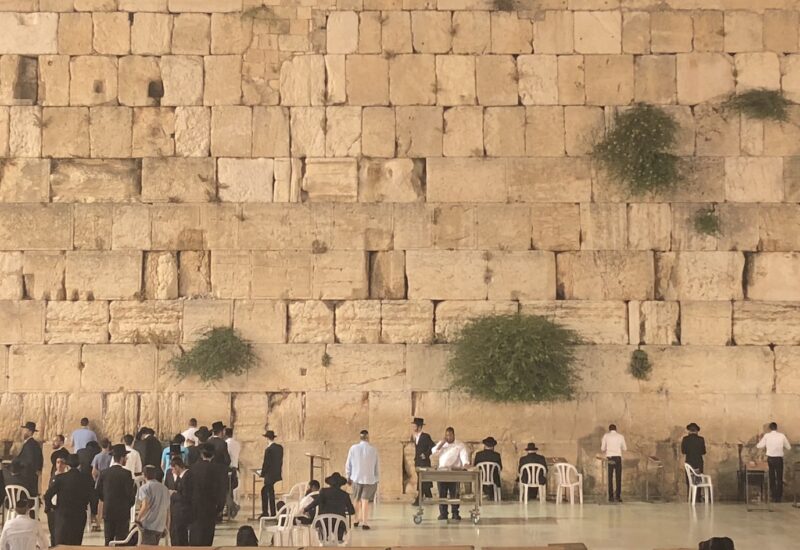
456 517
416 502
619 500
365 527
441 516
356 524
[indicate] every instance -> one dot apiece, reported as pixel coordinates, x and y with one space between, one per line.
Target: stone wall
345 182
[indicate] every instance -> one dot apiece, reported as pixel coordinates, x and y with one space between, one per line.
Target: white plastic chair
296 493
127 540
488 470
283 529
532 471
569 479
327 527
13 493
699 481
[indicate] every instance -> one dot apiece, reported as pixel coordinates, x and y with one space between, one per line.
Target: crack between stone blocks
774 369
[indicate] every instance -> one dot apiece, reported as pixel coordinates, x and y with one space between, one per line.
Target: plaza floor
629 526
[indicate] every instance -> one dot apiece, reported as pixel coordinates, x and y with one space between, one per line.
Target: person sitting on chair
532 457
22 531
333 500
303 517
488 454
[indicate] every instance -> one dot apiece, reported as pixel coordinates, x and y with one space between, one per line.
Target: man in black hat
116 489
333 500
59 451
217 440
151 450
488 454
423 447
693 446
31 457
208 498
532 457
180 507
271 471
72 491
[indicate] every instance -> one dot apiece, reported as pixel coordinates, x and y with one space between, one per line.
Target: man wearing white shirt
361 470
23 532
453 455
613 444
134 463
234 450
189 433
775 443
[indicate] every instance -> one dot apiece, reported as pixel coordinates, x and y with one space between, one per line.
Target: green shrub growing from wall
637 152
220 352
515 358
706 222
640 367
761 104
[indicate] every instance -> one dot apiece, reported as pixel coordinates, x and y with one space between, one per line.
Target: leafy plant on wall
514 358
761 104
640 366
638 151
218 353
706 222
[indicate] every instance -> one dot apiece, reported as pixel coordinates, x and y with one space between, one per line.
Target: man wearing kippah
361 471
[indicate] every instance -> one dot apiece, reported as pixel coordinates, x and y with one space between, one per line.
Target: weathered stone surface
605 275
445 275
331 416
504 131
406 322
706 323
396 180
358 322
340 275
763 323
160 276
48 227
200 316
596 322
412 80
76 323
598 31
11 276
463 132
654 322
245 180
419 131
786 379
362 227
42 368
153 131
331 180
365 367
223 80
773 276
452 315
152 321
94 181
367 80
466 180
604 226
455 80
24 132
549 180
192 131
496 80
753 179
191 34
555 226
24 321
387 275
65 132
114 275
310 322
699 275
649 226
117 367
178 179
151 33
521 275
302 81
43 275
261 321
93 80
24 180
703 77
28 33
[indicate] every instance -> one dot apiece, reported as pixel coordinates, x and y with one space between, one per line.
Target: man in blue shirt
82 436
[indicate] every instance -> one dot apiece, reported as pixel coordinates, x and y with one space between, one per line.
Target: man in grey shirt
154 512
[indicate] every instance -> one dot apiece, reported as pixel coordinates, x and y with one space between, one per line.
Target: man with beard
72 491
180 508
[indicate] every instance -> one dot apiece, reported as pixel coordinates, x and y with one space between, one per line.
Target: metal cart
471 476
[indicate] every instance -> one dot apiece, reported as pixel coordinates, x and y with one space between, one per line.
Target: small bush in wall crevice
640 367
514 358
219 352
706 222
761 104
637 152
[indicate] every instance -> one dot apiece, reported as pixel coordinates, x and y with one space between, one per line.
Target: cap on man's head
84 421
363 433
30 426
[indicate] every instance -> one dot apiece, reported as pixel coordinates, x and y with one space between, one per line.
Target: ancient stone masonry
347 181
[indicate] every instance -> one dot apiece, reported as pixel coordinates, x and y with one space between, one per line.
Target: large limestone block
413 226
555 226
112 33
153 132
571 80
194 276
53 86
168 379
454 226
649 226
23 321
358 322
472 32
24 131
412 80
763 323
419 131
521 275
200 316
362 227
718 131
544 131
773 276
406 321
378 132
446 275
151 33
753 179
365 367
110 275
387 275
704 77
93 227
230 33
596 322
335 415
302 81
466 180
192 131
451 316
76 323
110 132
24 180
609 79
605 275
178 179
584 126
331 180
655 79
367 80
463 132
394 180
191 34
343 131
308 131
779 227
310 321
94 181
710 369
93 80
273 275
504 131
11 287
182 79
42 368
455 80
554 32
285 415
604 369
396 31
654 322
65 132
503 227
495 420
138 75
757 70
261 321
270 131
426 367
684 234
223 80
117 367
706 323
28 33
431 31
598 31
549 180
284 226
497 81
342 35
743 31
43 275
692 275
47 227
604 226
205 6
153 321
194 227
340 275
538 79
787 379
160 276
245 180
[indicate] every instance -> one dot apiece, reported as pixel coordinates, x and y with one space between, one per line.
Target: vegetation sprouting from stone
218 353
505 5
640 367
637 152
706 222
761 104
514 358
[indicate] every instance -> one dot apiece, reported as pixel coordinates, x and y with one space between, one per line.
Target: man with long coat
208 498
180 507
116 489
31 457
533 457
72 490
271 471
423 446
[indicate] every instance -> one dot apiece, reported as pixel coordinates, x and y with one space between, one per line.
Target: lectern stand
317 462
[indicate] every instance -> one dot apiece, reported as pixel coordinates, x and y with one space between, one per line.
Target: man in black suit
59 468
271 471
31 458
116 489
221 456
151 450
333 500
59 451
85 459
693 447
532 457
423 445
488 454
208 498
72 490
180 507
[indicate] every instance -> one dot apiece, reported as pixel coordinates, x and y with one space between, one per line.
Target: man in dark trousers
59 451
271 471
423 445
488 454
208 498
774 444
151 450
31 457
693 446
180 506
221 456
116 489
72 490
333 500
59 467
532 457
